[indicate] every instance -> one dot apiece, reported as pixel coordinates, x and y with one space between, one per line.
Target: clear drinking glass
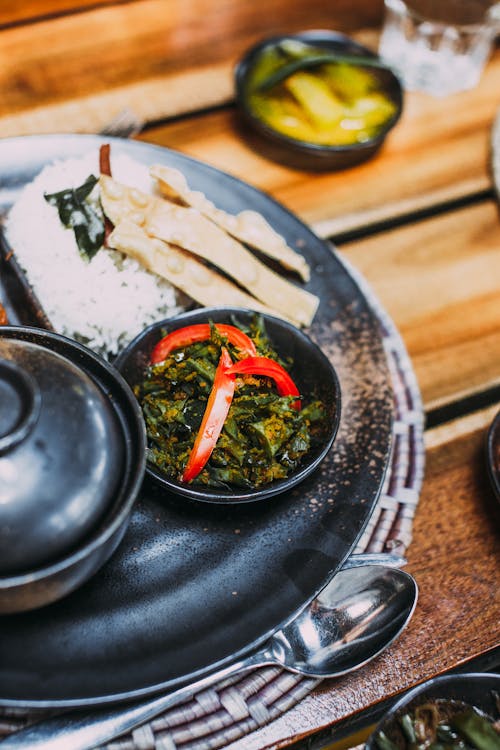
439 46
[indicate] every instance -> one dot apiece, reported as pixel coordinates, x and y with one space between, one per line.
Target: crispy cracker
248 227
187 228
180 268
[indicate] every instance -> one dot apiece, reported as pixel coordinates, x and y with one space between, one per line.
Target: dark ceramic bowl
312 372
493 454
474 689
302 154
72 458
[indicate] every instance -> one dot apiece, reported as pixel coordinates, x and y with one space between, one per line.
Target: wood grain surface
439 279
76 71
29 11
366 12
113 46
438 152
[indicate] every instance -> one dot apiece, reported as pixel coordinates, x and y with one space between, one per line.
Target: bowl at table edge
493 454
312 371
302 154
475 689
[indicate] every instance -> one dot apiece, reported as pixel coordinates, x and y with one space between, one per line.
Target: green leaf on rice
76 213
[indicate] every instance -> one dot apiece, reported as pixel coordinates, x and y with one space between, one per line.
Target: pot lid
61 454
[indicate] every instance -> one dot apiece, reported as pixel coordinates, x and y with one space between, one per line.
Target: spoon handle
86 729
387 559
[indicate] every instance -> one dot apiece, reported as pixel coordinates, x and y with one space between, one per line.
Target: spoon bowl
353 619
356 616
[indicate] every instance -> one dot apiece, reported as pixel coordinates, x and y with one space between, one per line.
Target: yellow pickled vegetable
317 99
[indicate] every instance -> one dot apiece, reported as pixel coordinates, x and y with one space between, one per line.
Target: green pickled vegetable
320 104
476 730
384 743
408 728
284 71
440 725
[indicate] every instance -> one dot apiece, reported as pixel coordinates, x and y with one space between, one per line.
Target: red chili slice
213 420
105 168
270 368
201 332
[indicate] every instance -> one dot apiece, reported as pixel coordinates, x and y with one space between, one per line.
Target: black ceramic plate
192 586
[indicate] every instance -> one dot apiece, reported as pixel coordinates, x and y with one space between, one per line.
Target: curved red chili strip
201 332
270 368
213 420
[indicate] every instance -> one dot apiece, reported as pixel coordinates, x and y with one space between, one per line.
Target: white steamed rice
103 303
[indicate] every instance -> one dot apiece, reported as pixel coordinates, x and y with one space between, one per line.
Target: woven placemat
232 709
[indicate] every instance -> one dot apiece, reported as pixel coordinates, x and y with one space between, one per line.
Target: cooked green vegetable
78 214
384 743
312 61
476 730
441 725
264 436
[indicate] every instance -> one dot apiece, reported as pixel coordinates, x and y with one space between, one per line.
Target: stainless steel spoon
356 616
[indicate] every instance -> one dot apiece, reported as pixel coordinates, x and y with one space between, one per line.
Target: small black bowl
301 154
493 454
311 371
474 689
62 515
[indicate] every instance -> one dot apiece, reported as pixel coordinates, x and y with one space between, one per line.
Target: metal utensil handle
387 559
87 729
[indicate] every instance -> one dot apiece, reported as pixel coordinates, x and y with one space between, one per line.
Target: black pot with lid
72 457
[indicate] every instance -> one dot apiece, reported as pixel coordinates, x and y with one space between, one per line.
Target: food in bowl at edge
316 96
441 723
222 410
169 246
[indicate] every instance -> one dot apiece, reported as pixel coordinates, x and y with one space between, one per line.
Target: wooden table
420 221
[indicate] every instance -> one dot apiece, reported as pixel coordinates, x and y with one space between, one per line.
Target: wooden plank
27 11
438 152
440 281
83 56
454 559
151 99
347 14
160 64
